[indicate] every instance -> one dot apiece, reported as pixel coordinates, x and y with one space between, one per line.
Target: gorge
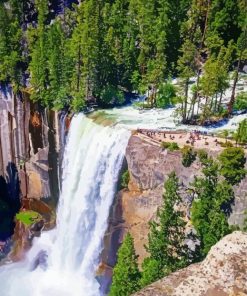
91 218
123 147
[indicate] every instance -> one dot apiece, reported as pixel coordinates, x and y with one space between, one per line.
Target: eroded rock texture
222 273
149 167
29 141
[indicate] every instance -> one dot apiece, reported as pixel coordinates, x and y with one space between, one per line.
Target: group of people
193 136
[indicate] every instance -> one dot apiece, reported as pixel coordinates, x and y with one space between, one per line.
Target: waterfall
63 262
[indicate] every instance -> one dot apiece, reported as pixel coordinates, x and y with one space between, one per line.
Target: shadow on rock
9 201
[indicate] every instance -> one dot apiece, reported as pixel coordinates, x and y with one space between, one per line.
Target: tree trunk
201 46
220 101
79 68
232 100
185 101
215 102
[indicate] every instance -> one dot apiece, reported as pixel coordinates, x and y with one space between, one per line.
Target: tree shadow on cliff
9 201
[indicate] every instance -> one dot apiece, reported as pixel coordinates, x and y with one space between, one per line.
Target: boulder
222 273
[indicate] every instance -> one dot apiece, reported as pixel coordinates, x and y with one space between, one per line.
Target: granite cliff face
222 273
31 143
149 167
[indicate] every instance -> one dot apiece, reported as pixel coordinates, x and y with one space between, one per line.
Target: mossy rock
28 217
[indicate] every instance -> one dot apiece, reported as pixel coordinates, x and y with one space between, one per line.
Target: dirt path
195 139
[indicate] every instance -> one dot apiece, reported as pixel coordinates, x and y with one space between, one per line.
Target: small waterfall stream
63 262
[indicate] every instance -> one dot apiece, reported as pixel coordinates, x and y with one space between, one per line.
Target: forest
99 51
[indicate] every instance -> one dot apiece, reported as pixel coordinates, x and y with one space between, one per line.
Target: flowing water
63 262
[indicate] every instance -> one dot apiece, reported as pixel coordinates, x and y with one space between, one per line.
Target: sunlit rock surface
222 273
149 167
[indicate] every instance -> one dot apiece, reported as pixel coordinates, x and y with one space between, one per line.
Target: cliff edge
222 273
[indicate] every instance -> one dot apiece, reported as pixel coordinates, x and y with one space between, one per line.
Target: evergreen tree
10 44
59 66
166 240
211 207
38 52
126 275
241 133
93 48
232 162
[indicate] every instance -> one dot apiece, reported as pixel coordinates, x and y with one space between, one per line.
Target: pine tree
232 164
59 66
187 68
126 275
38 46
166 240
211 207
10 44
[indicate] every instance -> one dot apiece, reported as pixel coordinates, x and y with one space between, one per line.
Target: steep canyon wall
149 166
31 144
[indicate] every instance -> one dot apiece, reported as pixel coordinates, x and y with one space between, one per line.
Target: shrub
77 104
202 155
166 95
241 101
189 156
171 146
232 161
241 134
125 178
226 144
28 217
111 95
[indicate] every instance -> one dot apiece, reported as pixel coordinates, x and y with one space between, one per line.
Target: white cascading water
63 262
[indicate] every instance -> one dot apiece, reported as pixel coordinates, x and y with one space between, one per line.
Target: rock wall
222 273
29 141
31 145
149 167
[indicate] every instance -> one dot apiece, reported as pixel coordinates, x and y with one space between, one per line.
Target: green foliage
77 104
166 95
38 54
125 178
202 155
241 133
188 156
166 240
226 144
171 146
28 217
99 48
126 275
112 96
241 101
211 207
232 162
11 59
151 271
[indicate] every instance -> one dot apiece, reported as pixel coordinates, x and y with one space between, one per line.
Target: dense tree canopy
98 50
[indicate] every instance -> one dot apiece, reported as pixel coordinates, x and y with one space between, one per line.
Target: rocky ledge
222 273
